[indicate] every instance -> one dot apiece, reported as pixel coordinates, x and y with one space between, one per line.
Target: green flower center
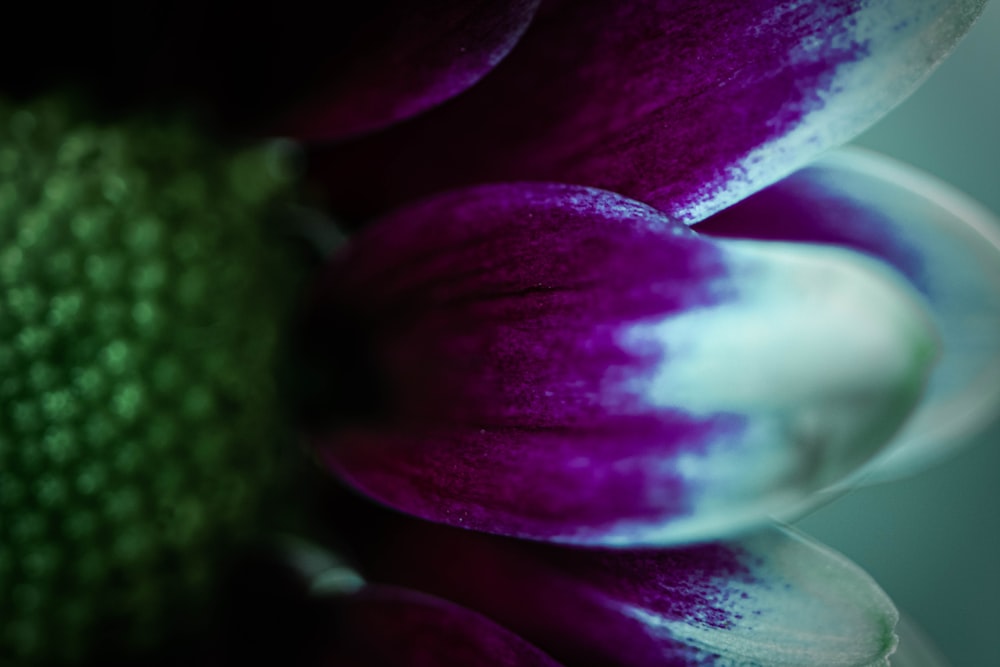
141 305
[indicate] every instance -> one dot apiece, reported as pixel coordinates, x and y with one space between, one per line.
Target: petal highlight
562 363
946 245
683 105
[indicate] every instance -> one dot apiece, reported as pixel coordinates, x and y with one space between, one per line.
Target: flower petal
562 363
411 60
776 598
688 106
384 626
946 245
345 67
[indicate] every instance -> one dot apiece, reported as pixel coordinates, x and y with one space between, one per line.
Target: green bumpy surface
141 308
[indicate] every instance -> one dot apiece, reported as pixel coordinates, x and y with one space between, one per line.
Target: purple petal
776 598
413 58
383 626
343 67
946 245
688 106
561 363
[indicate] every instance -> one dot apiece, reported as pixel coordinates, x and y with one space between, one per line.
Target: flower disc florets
140 311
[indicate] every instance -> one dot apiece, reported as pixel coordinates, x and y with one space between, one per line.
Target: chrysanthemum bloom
539 359
558 356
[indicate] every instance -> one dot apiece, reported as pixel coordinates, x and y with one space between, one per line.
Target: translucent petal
688 106
561 363
946 245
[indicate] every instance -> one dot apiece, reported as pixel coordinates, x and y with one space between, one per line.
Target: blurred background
933 541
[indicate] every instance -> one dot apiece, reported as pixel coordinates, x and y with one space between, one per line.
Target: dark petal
343 67
383 626
686 105
562 363
946 245
413 58
775 598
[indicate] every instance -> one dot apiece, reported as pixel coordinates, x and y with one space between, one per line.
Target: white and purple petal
562 363
945 244
411 58
385 626
685 105
774 599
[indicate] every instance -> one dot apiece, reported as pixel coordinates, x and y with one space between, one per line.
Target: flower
478 221
552 356
488 268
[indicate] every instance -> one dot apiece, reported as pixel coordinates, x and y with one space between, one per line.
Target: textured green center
140 310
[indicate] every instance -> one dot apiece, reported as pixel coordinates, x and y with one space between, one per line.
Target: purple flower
614 305
615 297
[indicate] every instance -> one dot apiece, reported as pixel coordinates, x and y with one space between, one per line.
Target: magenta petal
383 626
946 245
776 598
562 363
686 105
414 57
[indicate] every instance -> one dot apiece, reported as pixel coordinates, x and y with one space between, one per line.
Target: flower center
141 305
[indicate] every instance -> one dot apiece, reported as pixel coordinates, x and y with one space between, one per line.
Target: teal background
933 541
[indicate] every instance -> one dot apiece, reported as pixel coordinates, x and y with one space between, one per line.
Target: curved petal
343 67
946 245
688 106
562 363
384 626
411 59
774 599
